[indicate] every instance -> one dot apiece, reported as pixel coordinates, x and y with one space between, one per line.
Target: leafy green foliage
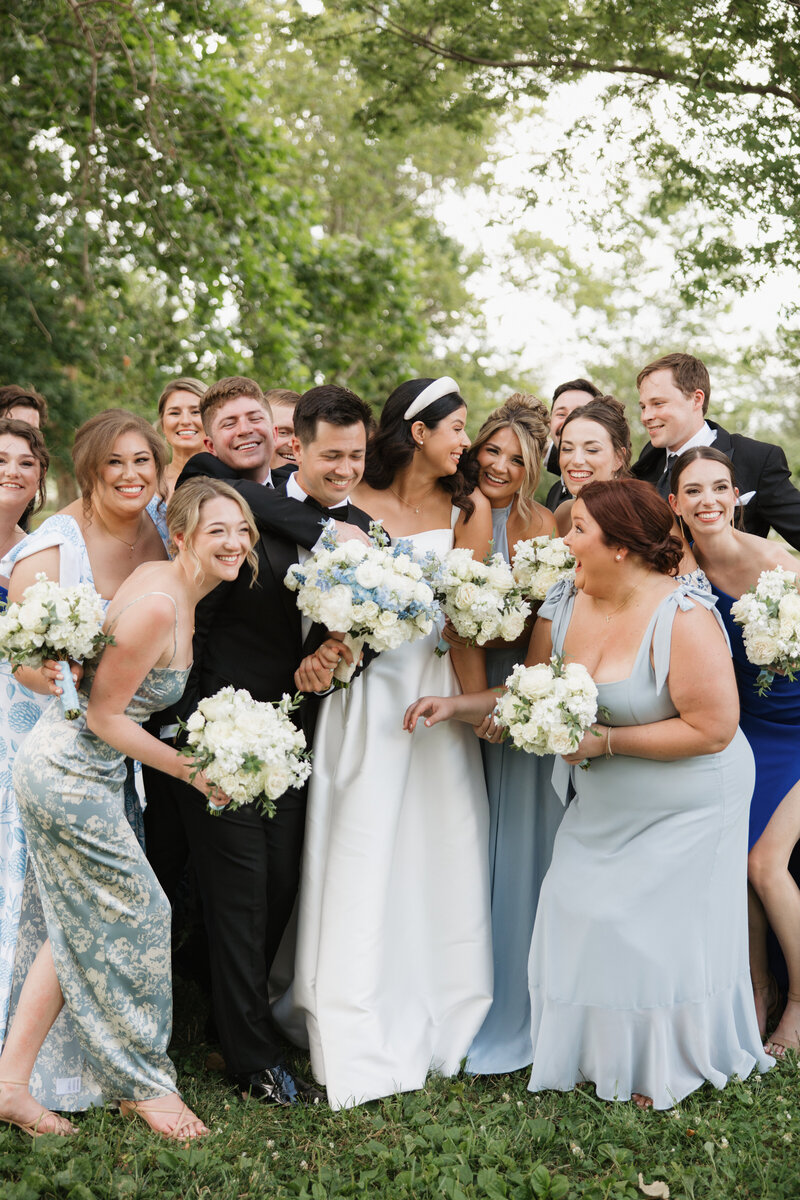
715 90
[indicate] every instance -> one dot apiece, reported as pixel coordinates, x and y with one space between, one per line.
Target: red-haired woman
638 968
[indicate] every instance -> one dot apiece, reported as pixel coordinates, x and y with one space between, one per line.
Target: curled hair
230 388
631 514
185 509
705 454
186 383
95 440
689 374
392 446
28 433
529 420
610 413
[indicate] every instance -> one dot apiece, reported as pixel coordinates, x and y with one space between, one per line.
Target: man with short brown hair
673 400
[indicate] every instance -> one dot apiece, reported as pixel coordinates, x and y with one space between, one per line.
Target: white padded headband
434 391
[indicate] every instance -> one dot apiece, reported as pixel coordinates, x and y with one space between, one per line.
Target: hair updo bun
631 514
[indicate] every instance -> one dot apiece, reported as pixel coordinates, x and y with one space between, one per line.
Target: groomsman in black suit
253 637
673 398
566 397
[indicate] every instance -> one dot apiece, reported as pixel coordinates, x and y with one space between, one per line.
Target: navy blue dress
771 724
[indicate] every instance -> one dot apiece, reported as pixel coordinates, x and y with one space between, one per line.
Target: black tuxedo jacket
558 493
760 468
251 637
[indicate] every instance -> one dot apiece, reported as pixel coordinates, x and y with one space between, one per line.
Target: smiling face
566 403
20 471
241 437
331 465
181 422
126 481
444 445
220 541
668 414
587 453
502 467
593 556
283 434
706 498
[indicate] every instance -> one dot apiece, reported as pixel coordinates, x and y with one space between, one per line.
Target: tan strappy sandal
184 1117
64 1128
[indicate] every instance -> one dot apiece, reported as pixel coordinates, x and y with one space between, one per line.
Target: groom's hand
315 673
346 532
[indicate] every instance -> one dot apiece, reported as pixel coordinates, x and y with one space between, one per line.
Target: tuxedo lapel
279 555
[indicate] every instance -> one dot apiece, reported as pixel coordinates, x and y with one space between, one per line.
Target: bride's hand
433 708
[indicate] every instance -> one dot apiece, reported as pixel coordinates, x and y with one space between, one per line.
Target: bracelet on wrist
609 751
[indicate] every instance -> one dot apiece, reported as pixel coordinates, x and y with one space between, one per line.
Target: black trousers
248 871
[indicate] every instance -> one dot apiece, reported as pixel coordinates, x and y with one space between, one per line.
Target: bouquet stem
69 693
345 671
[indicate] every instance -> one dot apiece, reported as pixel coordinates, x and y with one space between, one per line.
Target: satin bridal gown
393 970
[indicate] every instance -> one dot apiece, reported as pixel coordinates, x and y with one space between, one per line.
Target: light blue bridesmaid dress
639 970
524 815
108 920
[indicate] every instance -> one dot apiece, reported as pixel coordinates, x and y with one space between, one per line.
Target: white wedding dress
393 970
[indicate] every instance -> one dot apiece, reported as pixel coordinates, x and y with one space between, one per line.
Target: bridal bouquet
248 748
54 622
539 563
769 614
548 708
481 599
373 594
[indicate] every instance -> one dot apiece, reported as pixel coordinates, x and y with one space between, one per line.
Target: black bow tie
336 514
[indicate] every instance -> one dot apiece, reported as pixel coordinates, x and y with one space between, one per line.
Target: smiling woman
595 444
105 911
180 423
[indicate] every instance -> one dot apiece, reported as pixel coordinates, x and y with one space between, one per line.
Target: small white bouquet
373 594
769 614
54 622
548 708
481 599
540 562
250 749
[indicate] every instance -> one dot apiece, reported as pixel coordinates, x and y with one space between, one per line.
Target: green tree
715 88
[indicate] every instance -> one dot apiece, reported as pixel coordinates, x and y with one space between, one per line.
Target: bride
393 971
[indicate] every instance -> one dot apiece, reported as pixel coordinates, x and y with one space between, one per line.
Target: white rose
369 574
466 595
762 649
562 740
789 614
535 682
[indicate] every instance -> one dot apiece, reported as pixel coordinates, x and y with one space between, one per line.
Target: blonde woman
107 957
179 422
524 810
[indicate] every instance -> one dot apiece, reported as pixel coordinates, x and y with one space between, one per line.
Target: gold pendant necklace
619 607
408 503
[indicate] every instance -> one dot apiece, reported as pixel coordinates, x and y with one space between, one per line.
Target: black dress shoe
276 1085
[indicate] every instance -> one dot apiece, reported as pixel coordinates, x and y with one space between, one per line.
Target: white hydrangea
375 595
539 563
547 708
53 622
248 748
769 615
481 600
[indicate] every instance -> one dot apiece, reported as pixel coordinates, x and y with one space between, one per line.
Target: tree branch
582 65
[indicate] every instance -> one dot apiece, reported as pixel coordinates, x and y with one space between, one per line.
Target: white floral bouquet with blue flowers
58 623
248 748
375 595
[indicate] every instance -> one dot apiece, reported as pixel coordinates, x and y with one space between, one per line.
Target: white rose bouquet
374 594
540 562
54 622
481 599
248 748
769 614
548 708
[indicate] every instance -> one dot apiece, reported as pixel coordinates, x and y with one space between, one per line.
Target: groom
252 637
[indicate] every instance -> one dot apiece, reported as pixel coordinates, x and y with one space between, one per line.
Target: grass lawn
458 1139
